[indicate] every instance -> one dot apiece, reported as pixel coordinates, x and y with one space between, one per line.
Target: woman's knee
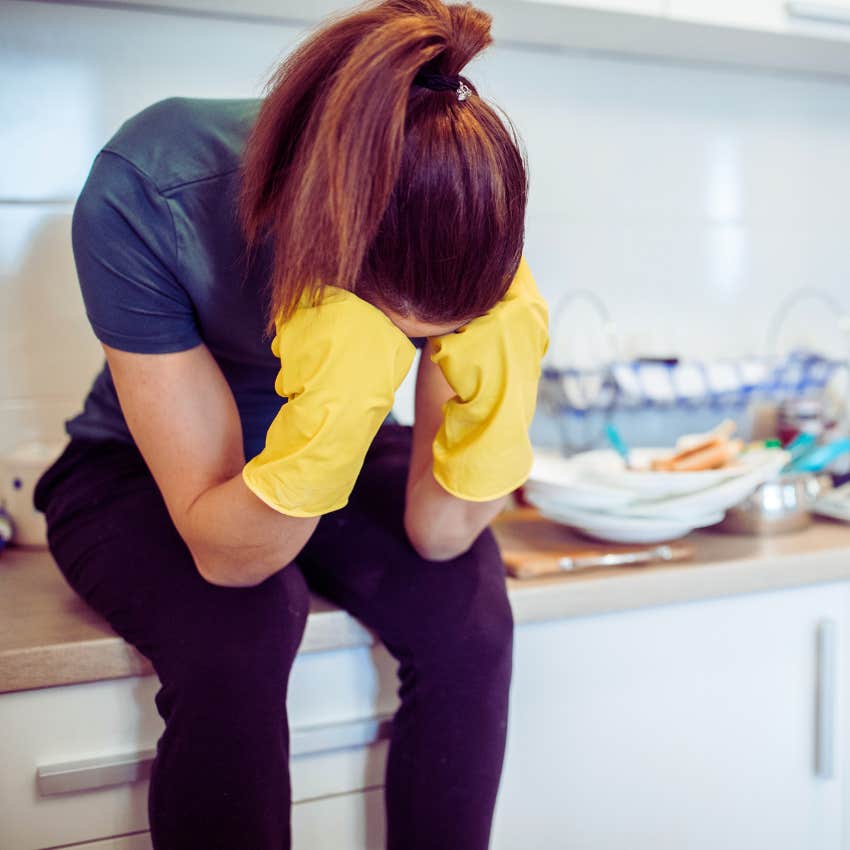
464 612
237 641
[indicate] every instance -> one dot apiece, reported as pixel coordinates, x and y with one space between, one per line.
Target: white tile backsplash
48 349
691 200
72 74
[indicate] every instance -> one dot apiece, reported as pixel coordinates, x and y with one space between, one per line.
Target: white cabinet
58 725
136 841
640 7
704 725
87 736
351 821
830 19
835 13
751 14
789 35
690 726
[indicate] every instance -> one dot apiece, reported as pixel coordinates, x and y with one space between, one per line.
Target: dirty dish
622 529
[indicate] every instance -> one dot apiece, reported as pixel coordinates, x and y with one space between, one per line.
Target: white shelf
797 48
554 25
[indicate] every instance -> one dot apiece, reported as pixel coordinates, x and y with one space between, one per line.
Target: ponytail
344 147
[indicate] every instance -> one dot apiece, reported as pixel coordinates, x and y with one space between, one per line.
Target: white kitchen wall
690 199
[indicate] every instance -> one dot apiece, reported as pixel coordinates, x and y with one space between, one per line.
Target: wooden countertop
49 637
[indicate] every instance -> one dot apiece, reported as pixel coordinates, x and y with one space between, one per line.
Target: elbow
223 573
436 547
441 551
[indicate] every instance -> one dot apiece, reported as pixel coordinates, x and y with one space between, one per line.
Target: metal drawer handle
103 771
827 12
825 700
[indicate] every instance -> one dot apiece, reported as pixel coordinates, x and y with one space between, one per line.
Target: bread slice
712 453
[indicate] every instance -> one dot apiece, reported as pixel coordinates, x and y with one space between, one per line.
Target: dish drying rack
646 383
672 396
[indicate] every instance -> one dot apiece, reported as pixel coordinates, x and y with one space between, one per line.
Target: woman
370 199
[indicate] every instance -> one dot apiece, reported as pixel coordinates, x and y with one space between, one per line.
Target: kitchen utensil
618 443
533 565
819 457
779 505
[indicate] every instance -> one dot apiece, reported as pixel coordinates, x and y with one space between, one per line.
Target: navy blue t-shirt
161 259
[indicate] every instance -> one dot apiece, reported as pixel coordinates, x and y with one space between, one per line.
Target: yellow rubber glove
341 363
482 450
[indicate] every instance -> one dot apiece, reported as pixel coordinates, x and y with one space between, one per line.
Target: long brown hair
410 197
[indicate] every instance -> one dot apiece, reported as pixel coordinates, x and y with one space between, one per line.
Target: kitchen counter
48 636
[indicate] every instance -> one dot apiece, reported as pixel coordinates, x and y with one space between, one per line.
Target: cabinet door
351 821
827 18
752 14
137 841
337 702
641 7
834 14
688 726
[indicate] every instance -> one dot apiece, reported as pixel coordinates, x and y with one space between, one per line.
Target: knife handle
523 566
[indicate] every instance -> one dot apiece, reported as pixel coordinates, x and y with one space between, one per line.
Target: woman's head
409 196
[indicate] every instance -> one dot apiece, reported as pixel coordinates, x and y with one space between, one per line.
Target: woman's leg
220 778
450 626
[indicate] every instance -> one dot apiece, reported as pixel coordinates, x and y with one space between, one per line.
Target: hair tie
443 82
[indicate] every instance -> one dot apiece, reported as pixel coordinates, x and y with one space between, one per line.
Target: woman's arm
440 526
183 417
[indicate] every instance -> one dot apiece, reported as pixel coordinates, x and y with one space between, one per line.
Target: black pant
220 778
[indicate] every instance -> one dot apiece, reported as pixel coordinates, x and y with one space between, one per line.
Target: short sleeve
124 246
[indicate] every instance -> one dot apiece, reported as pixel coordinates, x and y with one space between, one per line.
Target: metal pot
777 506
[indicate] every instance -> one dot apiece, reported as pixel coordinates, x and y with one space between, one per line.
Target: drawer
76 758
56 725
352 821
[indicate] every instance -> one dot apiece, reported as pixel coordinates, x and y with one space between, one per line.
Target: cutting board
532 545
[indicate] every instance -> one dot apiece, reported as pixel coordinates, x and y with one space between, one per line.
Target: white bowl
559 479
622 529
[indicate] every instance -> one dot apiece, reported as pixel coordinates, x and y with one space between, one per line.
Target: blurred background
689 225
689 208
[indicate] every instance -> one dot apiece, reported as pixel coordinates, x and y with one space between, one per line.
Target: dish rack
652 400
646 383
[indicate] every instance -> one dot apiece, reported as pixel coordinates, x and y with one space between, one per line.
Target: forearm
237 540
441 526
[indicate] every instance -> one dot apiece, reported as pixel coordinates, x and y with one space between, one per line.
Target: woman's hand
482 450
341 363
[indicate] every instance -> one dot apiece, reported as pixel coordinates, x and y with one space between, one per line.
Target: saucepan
779 505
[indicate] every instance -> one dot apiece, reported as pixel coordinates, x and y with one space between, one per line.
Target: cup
20 470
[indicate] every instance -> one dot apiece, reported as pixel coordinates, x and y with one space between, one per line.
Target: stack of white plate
595 493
